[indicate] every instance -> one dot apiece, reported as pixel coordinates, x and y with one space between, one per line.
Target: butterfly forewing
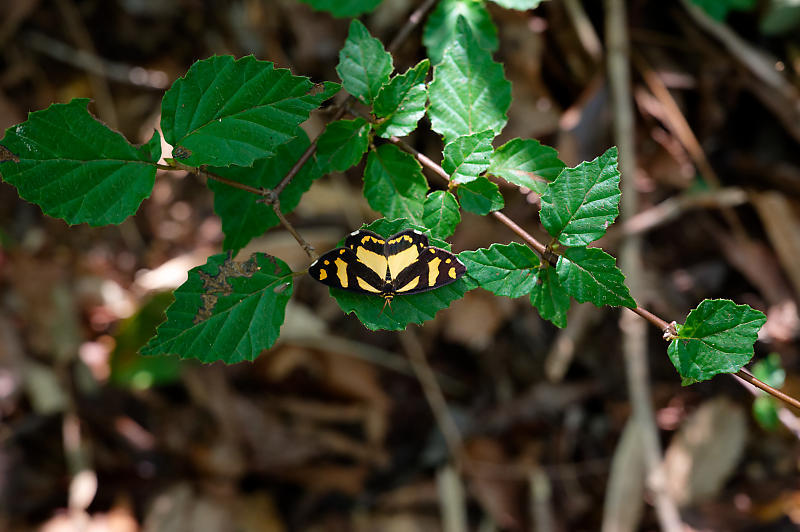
369 248
341 268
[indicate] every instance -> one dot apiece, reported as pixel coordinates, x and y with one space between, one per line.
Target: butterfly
401 264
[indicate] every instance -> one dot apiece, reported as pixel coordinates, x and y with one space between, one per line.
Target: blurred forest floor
331 429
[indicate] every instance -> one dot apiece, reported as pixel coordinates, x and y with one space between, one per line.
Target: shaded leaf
243 216
718 337
393 183
364 65
527 163
480 196
440 30
401 102
231 112
343 8
550 298
469 93
505 270
440 213
405 309
591 275
342 145
580 205
77 169
228 311
520 5
466 158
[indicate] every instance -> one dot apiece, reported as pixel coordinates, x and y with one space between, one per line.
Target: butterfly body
401 264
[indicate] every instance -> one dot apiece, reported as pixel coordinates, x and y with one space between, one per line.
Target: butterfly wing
433 268
341 268
369 249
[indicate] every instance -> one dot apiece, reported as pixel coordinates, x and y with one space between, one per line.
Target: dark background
331 430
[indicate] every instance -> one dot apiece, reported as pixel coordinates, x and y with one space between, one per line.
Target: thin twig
433 393
634 342
413 20
748 377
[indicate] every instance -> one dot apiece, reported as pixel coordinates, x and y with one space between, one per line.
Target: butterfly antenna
386 301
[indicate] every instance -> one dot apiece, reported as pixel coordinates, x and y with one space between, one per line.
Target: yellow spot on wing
399 261
452 273
433 270
341 271
373 261
409 286
323 275
366 286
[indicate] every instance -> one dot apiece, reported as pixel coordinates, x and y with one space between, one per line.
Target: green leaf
718 337
231 112
466 158
520 5
770 370
243 216
364 65
440 213
401 102
505 270
393 183
580 205
342 145
550 298
414 308
343 8
590 274
718 9
76 168
469 93
765 410
440 30
128 368
226 310
480 196
525 162
780 17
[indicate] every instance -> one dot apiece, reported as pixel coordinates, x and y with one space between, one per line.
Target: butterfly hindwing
341 268
433 268
403 249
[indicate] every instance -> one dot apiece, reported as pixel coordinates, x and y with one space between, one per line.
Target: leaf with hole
226 310
75 168
226 112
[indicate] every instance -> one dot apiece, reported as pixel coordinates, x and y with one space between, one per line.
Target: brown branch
413 20
747 377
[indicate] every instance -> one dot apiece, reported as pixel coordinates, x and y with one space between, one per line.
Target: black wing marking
341 268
